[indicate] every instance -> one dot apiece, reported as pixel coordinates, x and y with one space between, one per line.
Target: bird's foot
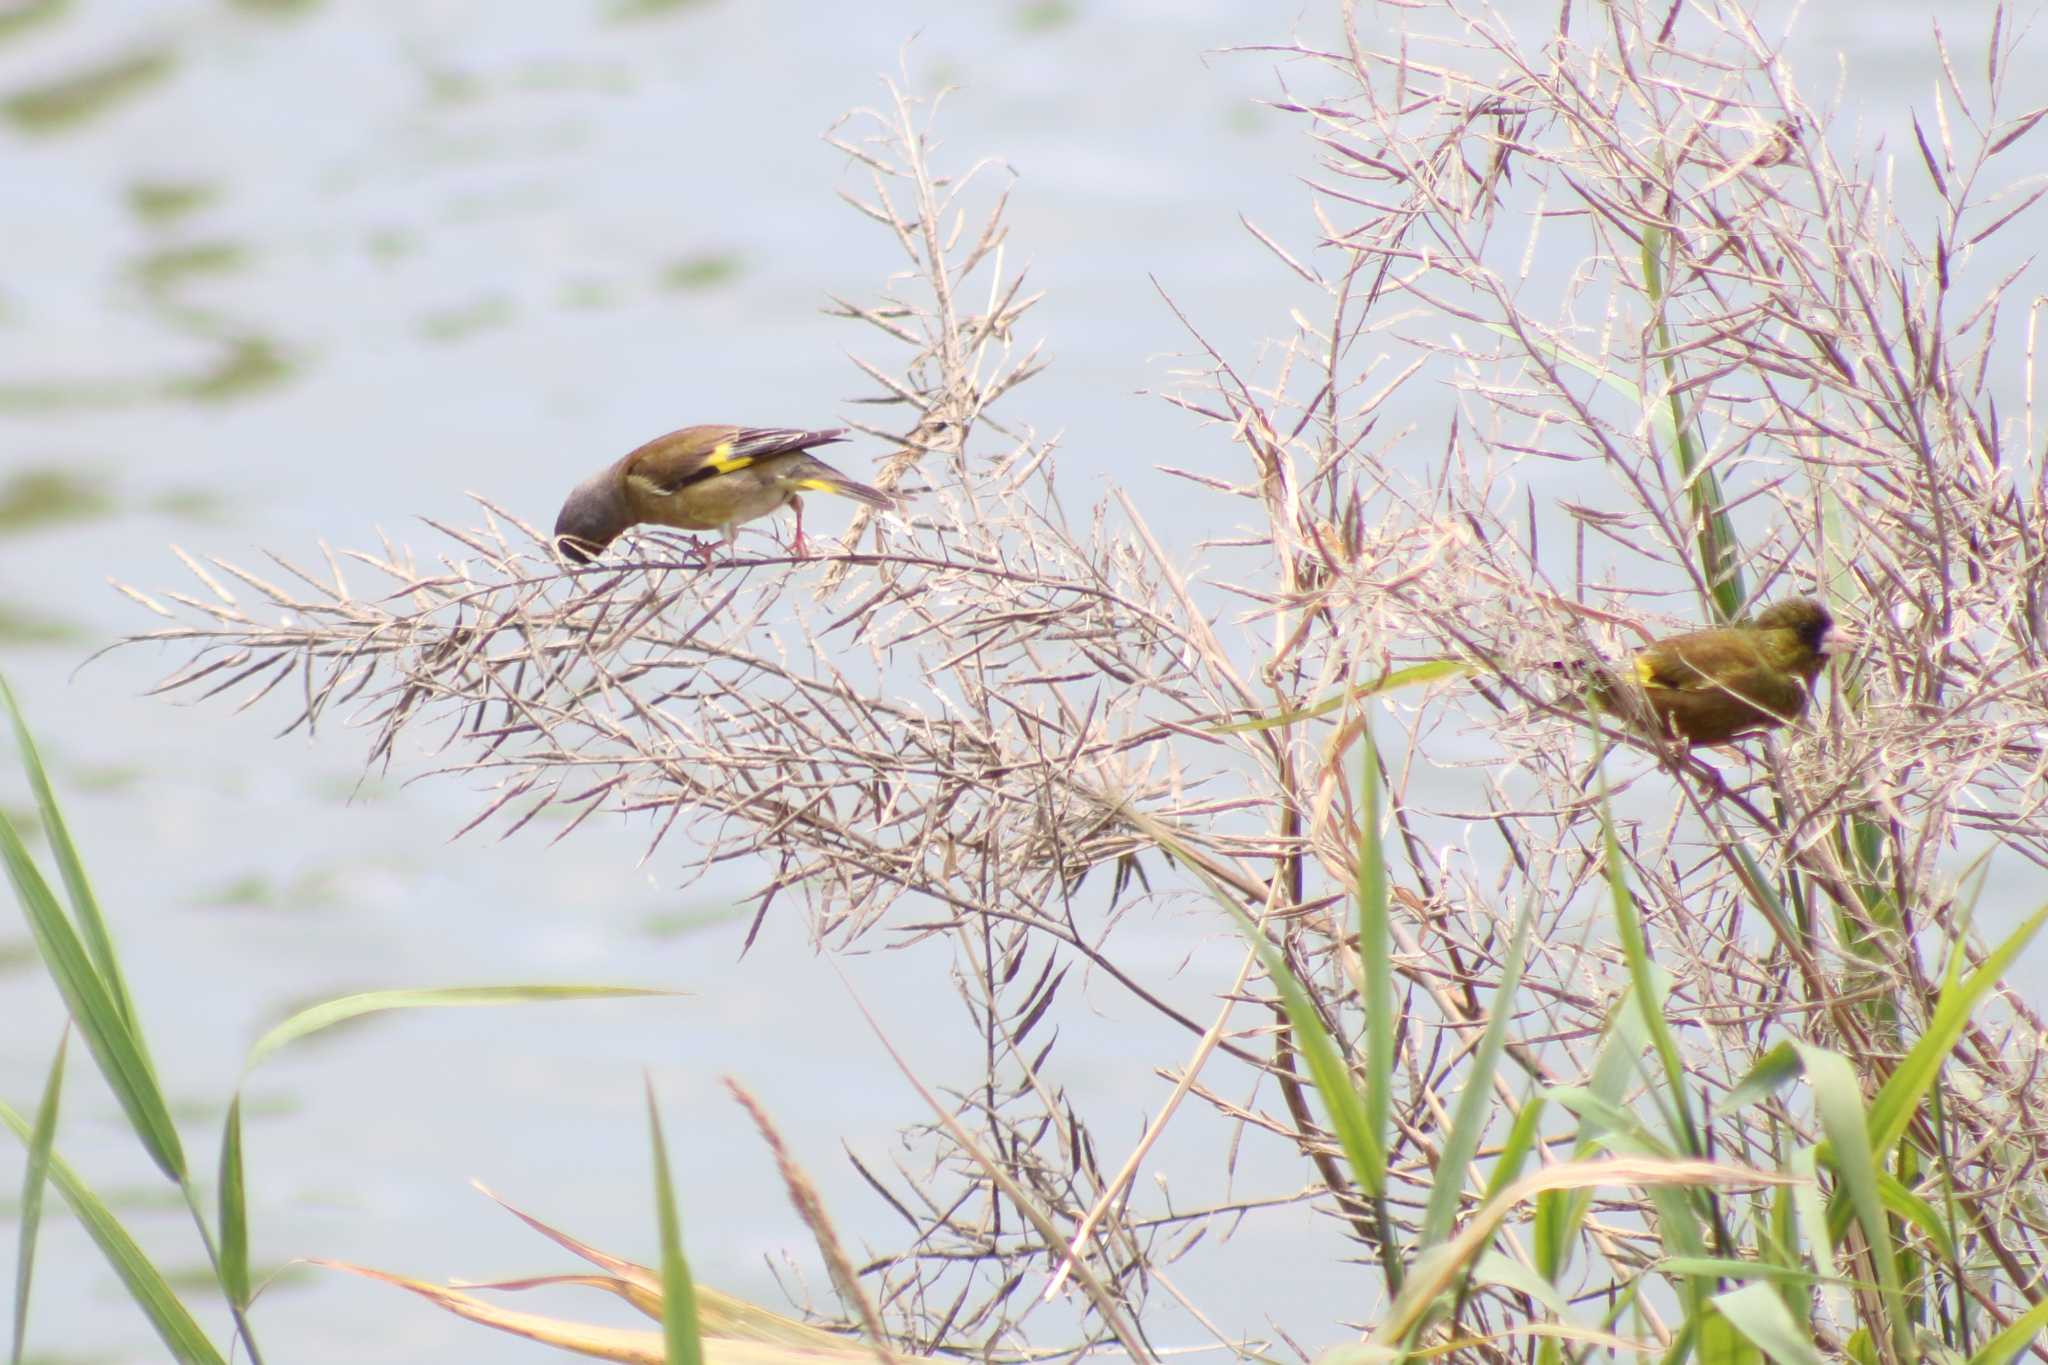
1710 777
796 545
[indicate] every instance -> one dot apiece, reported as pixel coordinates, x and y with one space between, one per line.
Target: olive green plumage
1710 686
704 478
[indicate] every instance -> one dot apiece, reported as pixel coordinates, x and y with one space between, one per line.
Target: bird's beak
574 549
1840 642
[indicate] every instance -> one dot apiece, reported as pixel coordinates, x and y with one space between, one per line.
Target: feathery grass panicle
1701 360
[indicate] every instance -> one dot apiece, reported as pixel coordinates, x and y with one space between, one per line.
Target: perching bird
708 478
1709 686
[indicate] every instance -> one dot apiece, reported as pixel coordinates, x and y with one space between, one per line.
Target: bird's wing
694 454
1727 662
1702 661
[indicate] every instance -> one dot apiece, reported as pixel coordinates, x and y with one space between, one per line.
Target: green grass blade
1434 670
1376 960
105 1029
1475 1102
92 926
1601 1107
1732 1268
1761 1316
679 1333
1363 1152
1839 1102
144 1282
1719 561
2007 1345
1906 1205
1494 1268
234 1211
1897 1099
1768 1075
1514 1153
40 1142
1635 948
329 1013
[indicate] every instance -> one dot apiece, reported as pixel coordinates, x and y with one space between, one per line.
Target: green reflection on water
283 9
314 889
668 924
199 1278
471 318
251 365
590 294
21 18
167 266
649 9
200 505
17 954
119 1198
26 626
705 270
25 819
104 778
1043 16
48 497
160 202
87 93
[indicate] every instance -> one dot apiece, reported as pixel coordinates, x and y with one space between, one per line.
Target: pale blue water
452 224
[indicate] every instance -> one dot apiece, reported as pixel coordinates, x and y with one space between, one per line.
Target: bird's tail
826 481
1587 678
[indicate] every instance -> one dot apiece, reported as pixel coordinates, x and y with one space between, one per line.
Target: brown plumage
703 478
1709 686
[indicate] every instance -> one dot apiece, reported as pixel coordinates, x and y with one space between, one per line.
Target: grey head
592 517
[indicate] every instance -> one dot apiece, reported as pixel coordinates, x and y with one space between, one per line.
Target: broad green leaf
1761 1316
144 1283
1839 1101
1505 1271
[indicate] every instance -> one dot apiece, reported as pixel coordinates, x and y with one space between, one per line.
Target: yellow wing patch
1646 672
818 485
724 461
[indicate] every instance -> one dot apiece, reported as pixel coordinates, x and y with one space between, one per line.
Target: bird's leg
797 546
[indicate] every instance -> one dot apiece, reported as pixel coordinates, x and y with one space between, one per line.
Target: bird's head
1809 622
591 517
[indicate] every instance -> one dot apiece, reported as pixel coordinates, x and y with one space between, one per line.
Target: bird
704 478
1711 686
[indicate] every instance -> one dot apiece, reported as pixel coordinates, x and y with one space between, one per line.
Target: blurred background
281 274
